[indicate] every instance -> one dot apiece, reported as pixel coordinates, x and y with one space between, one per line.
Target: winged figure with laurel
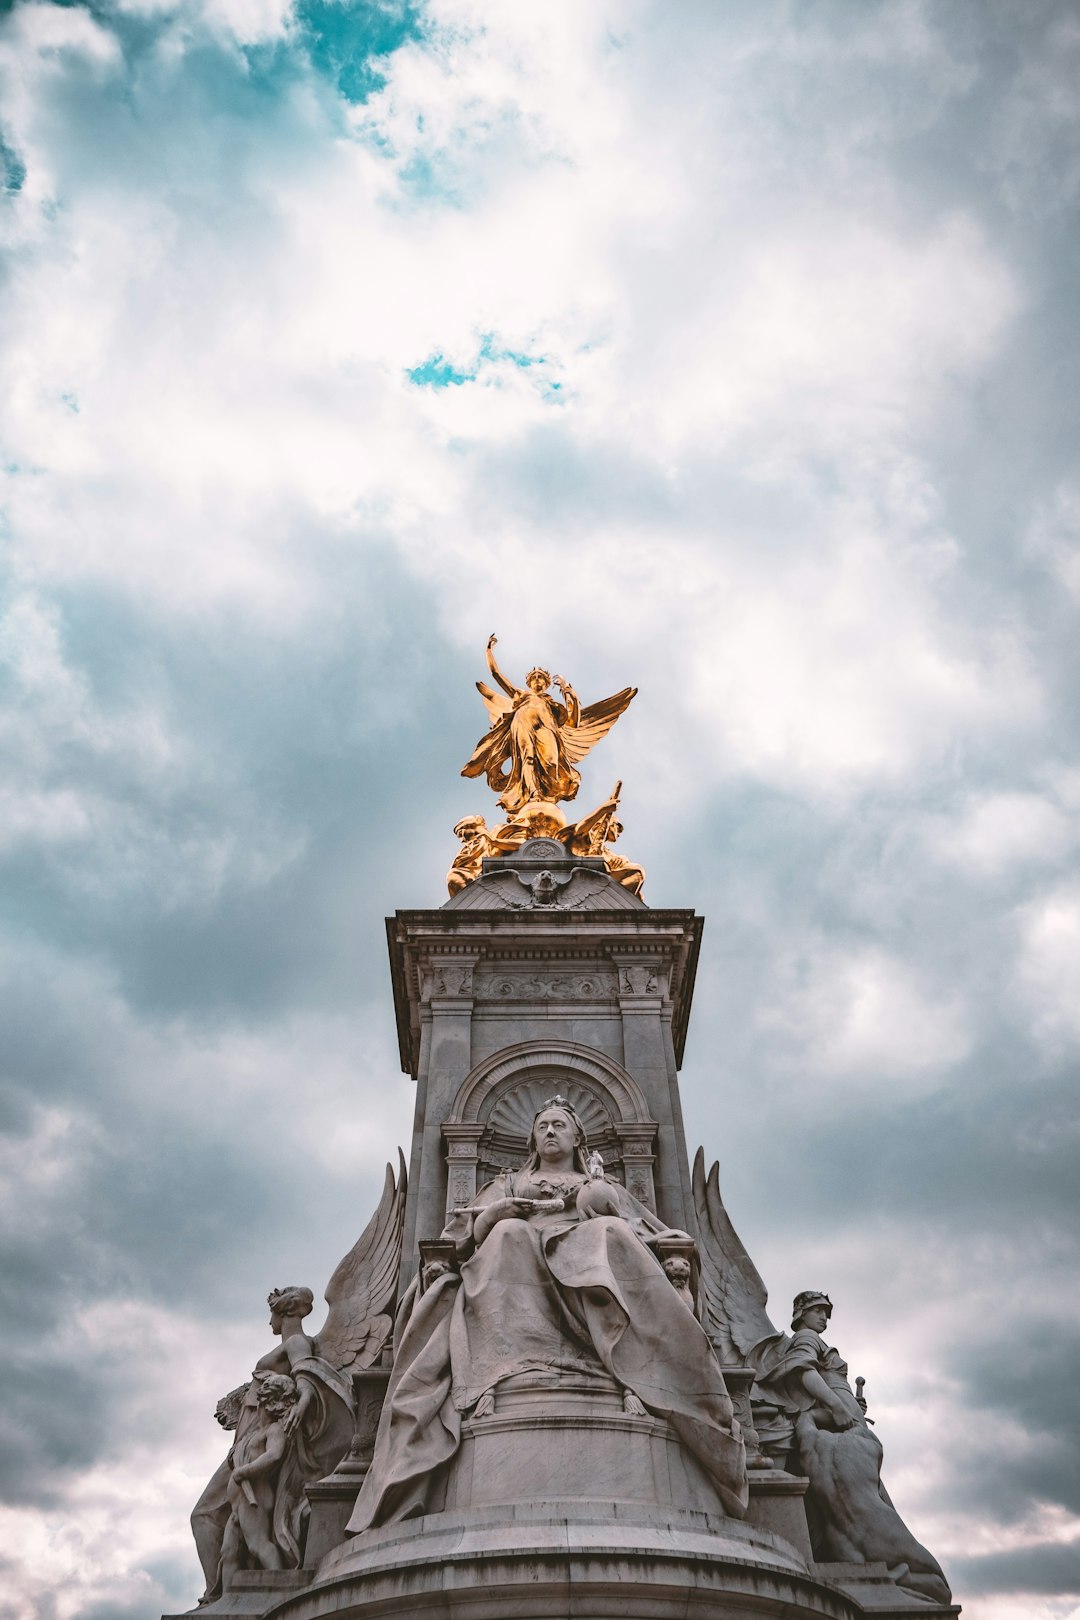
251 1513
540 739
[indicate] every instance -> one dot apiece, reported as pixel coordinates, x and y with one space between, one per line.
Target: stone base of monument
560 1503
548 1560
255 1592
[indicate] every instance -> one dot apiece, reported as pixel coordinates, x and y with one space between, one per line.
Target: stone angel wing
595 722
362 1290
735 1296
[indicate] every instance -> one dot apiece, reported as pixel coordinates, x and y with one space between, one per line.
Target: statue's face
536 682
816 1318
554 1135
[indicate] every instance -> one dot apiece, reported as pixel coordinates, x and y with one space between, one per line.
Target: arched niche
487 1128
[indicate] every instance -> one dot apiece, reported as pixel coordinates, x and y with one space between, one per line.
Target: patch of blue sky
12 169
426 178
438 372
349 42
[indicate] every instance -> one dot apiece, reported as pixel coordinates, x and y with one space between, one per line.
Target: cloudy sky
729 350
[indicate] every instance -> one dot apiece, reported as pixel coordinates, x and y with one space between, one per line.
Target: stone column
446 1009
648 1053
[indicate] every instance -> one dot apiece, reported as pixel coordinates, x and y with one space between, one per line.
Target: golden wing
595 722
497 706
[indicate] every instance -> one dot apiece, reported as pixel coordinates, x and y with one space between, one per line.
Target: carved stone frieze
554 986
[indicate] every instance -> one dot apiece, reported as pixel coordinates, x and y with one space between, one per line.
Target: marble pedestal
572 1440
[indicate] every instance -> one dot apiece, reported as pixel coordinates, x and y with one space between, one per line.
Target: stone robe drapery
553 1294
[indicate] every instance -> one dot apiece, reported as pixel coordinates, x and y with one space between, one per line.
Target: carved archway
488 1125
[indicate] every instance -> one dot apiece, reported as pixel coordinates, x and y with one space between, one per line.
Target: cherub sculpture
805 1411
289 1443
539 738
253 1465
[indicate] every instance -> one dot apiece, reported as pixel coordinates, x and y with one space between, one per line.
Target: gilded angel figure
540 738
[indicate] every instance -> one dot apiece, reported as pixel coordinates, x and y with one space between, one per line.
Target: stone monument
547 1384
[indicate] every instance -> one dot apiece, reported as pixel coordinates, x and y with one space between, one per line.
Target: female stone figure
557 1275
539 738
305 1436
315 1433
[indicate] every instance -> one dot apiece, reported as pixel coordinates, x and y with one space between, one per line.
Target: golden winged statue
541 739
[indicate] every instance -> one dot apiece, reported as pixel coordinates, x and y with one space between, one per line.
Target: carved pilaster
636 1149
462 1140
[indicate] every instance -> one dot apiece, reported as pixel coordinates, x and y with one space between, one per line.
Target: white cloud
859 1017
1048 962
993 833
1054 536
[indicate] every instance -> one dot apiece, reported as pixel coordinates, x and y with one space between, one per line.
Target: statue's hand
491 641
503 1209
292 1421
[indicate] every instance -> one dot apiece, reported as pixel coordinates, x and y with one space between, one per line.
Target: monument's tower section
583 1409
543 976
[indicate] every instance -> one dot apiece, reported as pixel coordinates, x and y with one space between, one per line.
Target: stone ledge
567 1571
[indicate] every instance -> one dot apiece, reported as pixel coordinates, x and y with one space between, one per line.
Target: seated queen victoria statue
557 1276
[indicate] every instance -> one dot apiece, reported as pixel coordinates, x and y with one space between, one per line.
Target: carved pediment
541 877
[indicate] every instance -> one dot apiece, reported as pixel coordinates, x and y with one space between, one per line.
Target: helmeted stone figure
583 1407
